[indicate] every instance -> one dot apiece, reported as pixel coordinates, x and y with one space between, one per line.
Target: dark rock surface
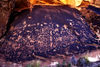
92 15
95 9
46 32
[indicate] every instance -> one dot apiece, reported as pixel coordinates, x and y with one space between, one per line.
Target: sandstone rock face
6 7
48 31
97 2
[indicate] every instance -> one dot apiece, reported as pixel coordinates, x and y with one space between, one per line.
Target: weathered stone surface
6 7
88 14
97 2
46 32
92 15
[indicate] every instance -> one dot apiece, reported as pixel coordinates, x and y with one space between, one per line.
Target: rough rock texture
21 5
97 2
6 7
92 15
46 32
